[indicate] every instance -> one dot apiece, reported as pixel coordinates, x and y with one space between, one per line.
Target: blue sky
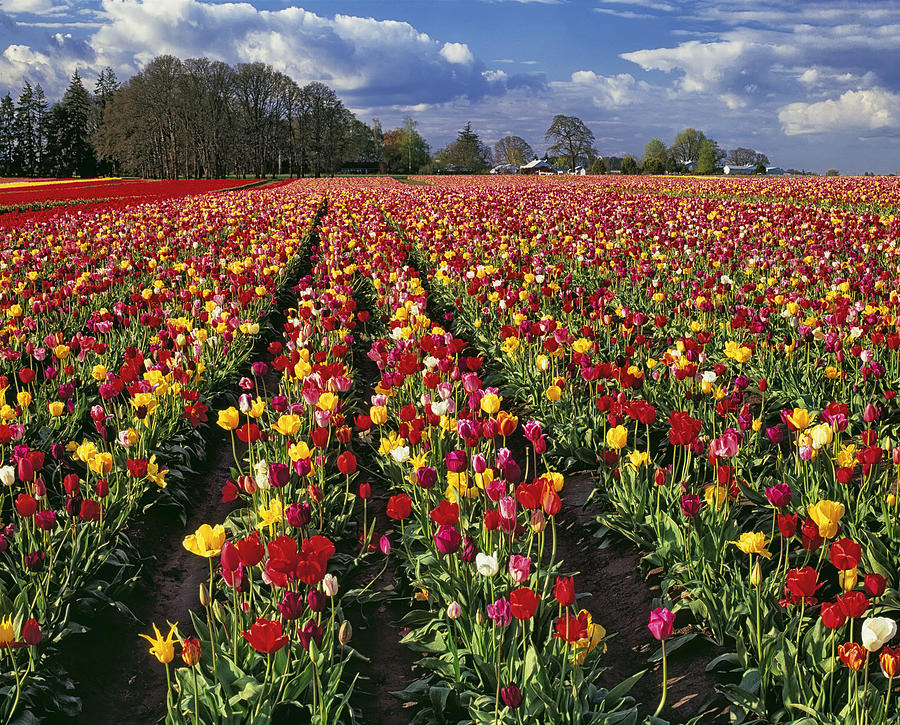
814 85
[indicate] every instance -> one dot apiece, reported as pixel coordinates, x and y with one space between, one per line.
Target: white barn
746 169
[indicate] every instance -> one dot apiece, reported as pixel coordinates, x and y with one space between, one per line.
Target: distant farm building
537 166
745 169
505 169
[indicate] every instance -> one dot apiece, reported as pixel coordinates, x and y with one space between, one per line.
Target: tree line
200 118
197 118
691 151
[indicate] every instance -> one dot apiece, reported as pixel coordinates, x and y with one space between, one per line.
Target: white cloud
626 14
865 110
457 53
366 60
16 7
618 90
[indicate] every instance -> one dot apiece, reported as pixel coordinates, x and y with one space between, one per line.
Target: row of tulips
36 201
273 639
473 524
737 392
102 405
879 195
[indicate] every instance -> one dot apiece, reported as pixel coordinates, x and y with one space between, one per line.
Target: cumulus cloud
367 61
866 110
618 90
18 7
458 53
50 65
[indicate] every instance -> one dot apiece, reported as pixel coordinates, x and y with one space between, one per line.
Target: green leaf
623 688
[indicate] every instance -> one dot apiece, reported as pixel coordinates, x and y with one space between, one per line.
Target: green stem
665 680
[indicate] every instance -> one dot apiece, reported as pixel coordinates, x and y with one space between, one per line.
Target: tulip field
402 381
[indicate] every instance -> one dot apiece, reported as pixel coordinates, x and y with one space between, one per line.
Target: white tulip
400 453
330 585
7 475
487 565
877 631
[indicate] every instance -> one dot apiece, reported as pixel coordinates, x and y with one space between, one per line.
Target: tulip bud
538 521
454 610
345 632
219 612
204 595
756 574
330 585
316 600
384 543
847 578
190 651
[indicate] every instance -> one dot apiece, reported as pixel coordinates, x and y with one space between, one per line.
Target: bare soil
116 678
621 599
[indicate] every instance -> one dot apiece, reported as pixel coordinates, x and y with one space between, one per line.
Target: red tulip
833 615
25 505
564 591
346 463
524 603
399 506
845 554
875 584
854 604
250 549
570 629
662 620
265 636
803 583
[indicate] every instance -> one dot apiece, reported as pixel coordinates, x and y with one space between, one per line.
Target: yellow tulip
56 408
846 457
490 403
206 541
826 515
155 473
617 437
287 425
595 635
847 578
162 649
229 419
327 401
271 515
754 542
553 393
7 634
638 458
378 414
101 463
715 496
799 418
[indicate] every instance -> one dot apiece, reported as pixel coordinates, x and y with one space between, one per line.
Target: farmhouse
537 166
505 169
745 169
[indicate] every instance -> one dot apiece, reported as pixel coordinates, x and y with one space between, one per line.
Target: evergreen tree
7 135
72 126
467 153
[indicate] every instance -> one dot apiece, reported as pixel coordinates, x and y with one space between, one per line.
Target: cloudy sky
814 85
